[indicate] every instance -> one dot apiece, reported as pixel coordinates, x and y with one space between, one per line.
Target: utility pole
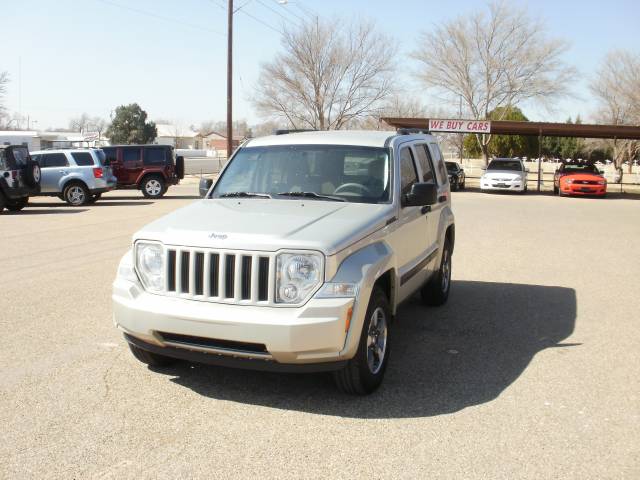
230 79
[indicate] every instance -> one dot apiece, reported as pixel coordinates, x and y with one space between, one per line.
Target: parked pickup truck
296 259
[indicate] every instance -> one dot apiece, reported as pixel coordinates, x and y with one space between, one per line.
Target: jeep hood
268 224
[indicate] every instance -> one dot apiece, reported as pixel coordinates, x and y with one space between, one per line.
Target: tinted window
514 165
452 167
422 152
130 154
101 156
50 160
408 175
438 161
83 159
111 154
20 156
154 156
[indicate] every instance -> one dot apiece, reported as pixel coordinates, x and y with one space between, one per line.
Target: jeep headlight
297 275
150 265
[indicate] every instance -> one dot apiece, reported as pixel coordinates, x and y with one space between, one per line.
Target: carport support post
539 157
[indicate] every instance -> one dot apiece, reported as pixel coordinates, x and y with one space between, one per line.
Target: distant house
42 140
214 141
176 136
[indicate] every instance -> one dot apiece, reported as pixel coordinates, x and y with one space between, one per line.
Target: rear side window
82 159
422 152
111 154
130 155
50 160
441 170
408 175
100 156
20 157
3 162
154 156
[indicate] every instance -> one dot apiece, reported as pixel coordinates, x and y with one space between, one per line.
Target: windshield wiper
245 195
311 195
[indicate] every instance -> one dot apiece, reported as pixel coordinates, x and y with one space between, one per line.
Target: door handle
442 198
425 209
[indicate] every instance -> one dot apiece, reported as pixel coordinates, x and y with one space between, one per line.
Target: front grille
585 182
203 342
220 275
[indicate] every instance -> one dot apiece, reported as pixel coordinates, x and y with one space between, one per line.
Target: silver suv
77 176
296 259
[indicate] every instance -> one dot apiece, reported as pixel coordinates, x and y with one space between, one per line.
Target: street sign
459 126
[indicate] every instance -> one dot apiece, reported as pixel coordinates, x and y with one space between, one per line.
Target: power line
221 5
161 17
278 13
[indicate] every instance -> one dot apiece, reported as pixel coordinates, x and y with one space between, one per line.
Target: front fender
363 268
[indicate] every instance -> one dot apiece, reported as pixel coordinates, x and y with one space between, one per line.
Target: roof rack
284 131
413 131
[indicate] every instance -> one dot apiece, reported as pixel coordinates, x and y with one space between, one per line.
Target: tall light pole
230 79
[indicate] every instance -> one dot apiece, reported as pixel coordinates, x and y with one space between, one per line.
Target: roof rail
284 131
412 131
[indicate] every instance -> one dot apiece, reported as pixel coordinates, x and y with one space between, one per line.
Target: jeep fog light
150 265
297 275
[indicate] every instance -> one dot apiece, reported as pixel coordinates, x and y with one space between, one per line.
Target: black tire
94 198
17 205
180 167
463 184
153 186
2 202
362 374
151 359
76 194
455 186
556 190
436 291
32 174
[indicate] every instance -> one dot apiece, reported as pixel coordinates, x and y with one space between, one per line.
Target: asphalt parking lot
532 370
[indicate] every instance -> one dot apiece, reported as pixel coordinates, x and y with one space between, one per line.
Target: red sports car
579 179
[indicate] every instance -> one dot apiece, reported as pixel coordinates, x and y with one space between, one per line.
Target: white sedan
507 174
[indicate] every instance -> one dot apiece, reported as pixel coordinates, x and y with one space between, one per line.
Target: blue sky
170 56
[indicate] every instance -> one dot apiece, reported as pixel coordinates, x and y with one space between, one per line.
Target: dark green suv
19 177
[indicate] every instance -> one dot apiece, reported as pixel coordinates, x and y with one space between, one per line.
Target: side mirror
421 194
205 185
483 168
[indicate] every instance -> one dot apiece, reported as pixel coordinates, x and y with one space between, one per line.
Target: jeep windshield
309 172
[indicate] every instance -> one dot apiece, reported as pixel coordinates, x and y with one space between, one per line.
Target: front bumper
517 186
578 189
314 333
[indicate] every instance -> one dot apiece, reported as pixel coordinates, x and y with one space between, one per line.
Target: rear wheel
76 194
436 291
151 359
365 371
2 202
153 186
17 205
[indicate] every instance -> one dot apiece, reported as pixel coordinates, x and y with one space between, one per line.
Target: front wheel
151 359
153 187
436 290
364 372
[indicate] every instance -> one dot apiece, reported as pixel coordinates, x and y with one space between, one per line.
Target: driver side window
408 173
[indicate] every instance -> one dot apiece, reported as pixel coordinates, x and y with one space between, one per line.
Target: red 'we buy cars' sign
460 126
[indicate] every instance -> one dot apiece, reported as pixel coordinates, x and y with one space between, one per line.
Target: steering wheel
351 186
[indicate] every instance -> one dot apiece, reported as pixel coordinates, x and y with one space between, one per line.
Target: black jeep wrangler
19 177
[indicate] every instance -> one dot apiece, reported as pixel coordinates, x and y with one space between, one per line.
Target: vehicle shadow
35 210
166 197
99 203
443 359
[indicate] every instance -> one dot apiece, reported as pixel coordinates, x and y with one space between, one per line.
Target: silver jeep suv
77 176
296 259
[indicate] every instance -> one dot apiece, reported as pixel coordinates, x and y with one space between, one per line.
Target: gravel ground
531 370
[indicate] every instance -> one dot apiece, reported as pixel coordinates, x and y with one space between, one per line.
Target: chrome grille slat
201 274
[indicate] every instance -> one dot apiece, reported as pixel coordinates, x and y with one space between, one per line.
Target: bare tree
617 89
80 124
499 59
328 74
98 124
4 80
